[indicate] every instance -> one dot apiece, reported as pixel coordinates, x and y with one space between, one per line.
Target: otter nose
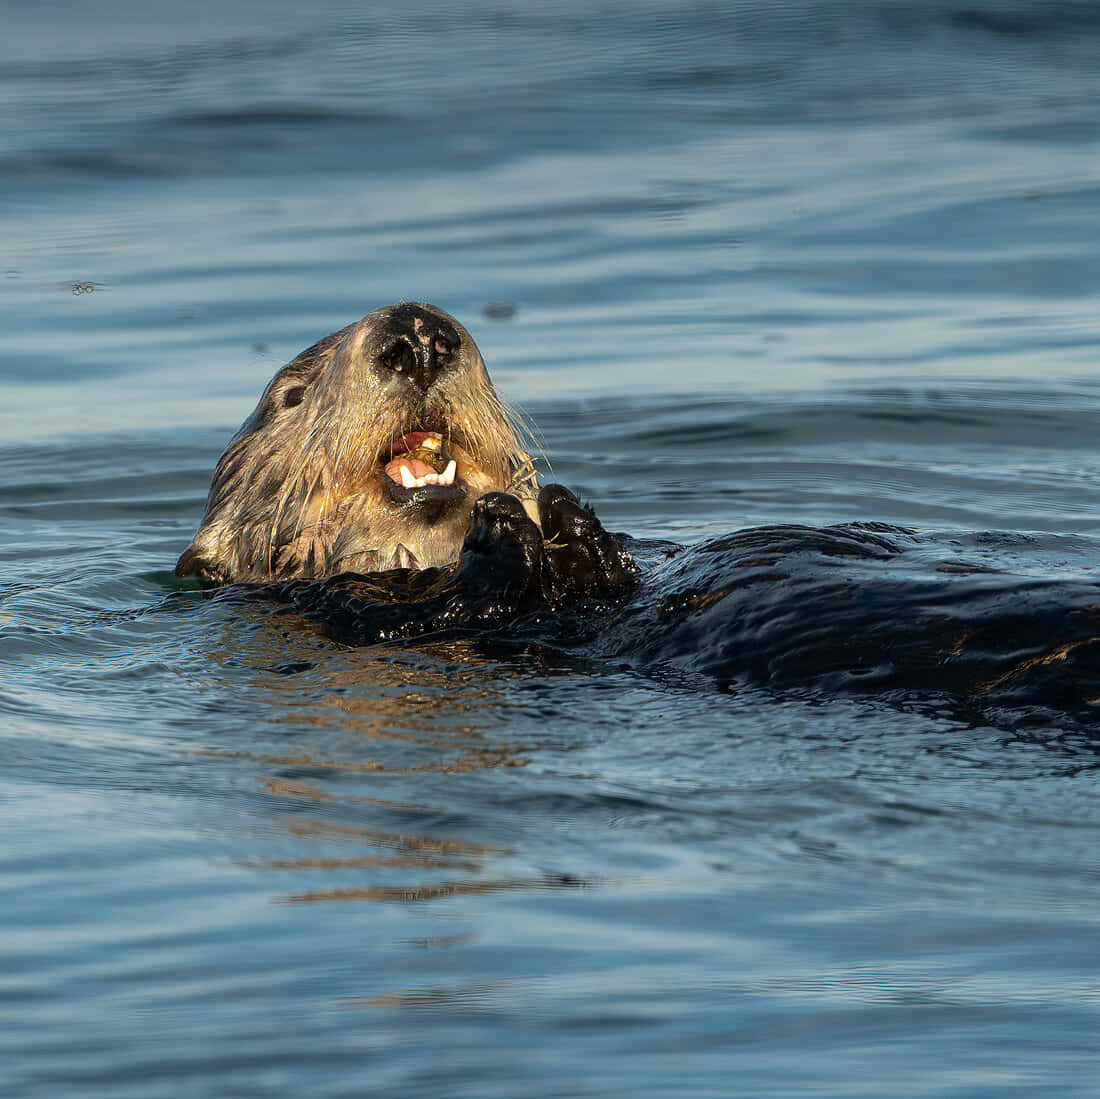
420 358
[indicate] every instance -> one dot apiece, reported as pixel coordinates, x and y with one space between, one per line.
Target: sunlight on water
745 264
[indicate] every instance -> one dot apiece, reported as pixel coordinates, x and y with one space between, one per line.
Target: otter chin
367 452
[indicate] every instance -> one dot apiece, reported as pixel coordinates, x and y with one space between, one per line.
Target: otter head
365 453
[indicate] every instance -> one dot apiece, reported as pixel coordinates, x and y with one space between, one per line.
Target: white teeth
447 477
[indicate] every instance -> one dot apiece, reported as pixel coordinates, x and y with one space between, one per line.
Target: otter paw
503 547
580 558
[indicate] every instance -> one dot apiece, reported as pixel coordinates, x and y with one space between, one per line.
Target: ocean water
739 263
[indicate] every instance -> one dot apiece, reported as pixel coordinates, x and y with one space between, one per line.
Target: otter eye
294 396
400 358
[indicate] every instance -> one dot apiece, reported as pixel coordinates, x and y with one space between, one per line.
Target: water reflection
381 769
436 891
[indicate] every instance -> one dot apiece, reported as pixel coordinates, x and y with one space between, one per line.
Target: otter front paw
502 552
580 558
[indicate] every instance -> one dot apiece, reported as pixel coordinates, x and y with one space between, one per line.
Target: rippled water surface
739 263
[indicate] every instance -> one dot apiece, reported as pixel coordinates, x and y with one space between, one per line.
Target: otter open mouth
417 468
420 458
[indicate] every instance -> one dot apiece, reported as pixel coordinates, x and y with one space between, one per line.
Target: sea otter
382 490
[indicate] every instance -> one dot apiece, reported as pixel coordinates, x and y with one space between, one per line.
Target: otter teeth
447 477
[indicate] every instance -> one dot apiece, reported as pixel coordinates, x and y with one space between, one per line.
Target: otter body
381 490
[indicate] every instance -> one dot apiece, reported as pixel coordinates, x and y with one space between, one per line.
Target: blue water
739 263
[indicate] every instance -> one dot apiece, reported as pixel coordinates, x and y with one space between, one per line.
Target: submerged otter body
401 503
839 610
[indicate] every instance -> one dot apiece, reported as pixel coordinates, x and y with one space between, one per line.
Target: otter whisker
524 476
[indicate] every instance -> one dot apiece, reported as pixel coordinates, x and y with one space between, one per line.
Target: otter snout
418 347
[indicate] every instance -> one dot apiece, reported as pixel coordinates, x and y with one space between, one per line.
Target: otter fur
313 484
